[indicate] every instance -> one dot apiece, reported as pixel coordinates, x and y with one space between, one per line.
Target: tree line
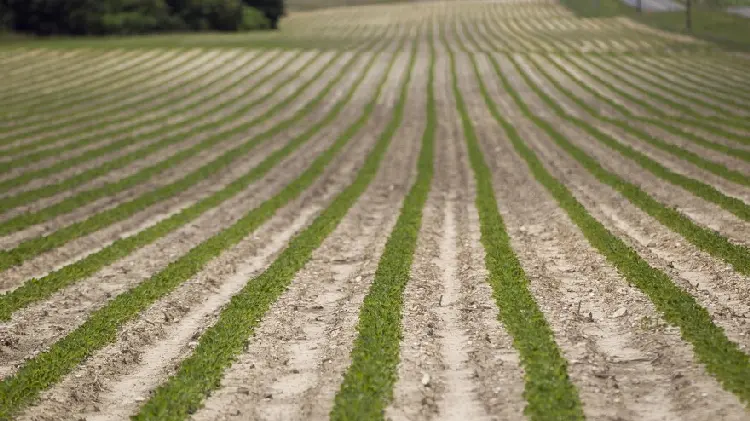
102 17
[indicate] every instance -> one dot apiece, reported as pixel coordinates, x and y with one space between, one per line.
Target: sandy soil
457 360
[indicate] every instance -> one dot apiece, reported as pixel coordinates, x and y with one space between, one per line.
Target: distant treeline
102 17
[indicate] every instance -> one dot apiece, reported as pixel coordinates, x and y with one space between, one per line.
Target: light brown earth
457 360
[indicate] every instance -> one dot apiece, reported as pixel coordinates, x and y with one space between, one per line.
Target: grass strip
103 125
721 357
549 392
88 123
705 191
659 122
172 138
47 94
674 104
201 373
691 75
41 101
36 246
367 386
713 69
698 122
25 61
18 92
692 157
676 88
157 119
705 239
47 368
40 288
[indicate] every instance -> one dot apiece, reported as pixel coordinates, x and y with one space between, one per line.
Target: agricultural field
475 210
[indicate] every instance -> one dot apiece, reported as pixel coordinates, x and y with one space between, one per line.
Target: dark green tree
272 9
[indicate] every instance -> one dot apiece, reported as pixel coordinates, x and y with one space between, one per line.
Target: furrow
316 337
709 240
628 169
184 392
695 93
163 341
170 238
621 369
700 131
221 128
236 106
456 362
65 143
706 82
689 143
27 112
38 113
84 73
130 215
129 106
47 71
31 79
549 392
193 149
690 107
101 328
54 60
719 355
710 69
70 134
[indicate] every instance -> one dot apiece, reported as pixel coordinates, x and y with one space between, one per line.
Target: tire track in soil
149 349
625 365
457 363
293 365
90 243
39 325
699 210
111 176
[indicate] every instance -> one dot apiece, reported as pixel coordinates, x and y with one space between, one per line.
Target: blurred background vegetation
104 17
722 22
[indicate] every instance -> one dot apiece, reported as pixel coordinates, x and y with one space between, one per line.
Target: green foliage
6 17
711 24
721 357
549 391
368 384
201 373
99 17
272 9
254 19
